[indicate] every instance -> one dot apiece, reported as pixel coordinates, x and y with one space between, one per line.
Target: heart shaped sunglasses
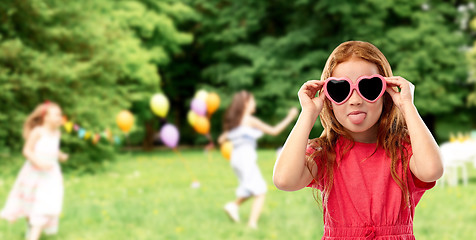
370 88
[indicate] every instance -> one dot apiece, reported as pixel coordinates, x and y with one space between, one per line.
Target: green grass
148 196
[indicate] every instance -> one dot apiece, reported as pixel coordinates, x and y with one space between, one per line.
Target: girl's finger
393 80
313 85
391 90
309 84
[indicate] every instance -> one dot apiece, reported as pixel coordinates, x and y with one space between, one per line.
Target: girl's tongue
357 118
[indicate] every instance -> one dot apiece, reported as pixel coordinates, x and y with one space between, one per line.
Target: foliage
472 66
272 47
92 57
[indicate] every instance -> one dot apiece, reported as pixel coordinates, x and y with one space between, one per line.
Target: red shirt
365 202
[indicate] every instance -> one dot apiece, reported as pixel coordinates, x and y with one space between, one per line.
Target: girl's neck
369 136
50 128
244 119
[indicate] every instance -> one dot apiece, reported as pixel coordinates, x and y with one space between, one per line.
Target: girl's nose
355 98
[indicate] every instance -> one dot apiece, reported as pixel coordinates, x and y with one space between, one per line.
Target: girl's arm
290 170
28 150
426 163
272 130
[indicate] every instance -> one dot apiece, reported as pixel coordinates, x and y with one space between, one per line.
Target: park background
96 58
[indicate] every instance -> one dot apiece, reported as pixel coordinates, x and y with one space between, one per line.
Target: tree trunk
148 142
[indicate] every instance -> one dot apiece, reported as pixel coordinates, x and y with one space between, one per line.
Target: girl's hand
222 138
307 96
41 165
293 112
403 98
63 157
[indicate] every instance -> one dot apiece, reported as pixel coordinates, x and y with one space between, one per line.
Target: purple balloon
199 106
169 135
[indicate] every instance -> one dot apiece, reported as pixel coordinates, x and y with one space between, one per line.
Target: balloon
199 106
202 95
87 135
108 134
192 117
125 120
202 125
169 135
226 149
159 105
213 102
68 126
117 140
81 132
96 138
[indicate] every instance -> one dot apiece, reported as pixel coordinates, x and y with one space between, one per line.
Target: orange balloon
125 120
226 149
213 102
202 125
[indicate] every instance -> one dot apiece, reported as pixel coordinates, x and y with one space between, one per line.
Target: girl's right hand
307 96
41 165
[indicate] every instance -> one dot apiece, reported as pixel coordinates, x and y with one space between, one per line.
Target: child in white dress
37 193
243 129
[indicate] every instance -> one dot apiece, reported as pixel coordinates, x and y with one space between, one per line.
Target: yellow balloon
87 135
68 126
125 120
213 102
226 149
202 125
159 105
202 95
192 118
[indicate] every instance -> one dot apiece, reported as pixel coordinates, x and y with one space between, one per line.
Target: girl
243 129
38 191
375 157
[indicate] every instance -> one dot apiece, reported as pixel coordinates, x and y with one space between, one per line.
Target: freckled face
357 115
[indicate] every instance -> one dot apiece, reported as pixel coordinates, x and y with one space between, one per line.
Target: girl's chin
357 128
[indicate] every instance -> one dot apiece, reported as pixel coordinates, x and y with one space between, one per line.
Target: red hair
37 117
392 130
234 113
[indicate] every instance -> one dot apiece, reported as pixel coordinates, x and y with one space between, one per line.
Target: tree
273 47
92 57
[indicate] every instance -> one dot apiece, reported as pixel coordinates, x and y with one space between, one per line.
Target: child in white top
243 129
38 190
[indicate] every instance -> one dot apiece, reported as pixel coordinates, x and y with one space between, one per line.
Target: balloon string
187 168
210 159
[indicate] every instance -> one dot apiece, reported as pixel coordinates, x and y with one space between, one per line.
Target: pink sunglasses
370 88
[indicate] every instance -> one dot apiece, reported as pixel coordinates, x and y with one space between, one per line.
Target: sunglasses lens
338 90
371 88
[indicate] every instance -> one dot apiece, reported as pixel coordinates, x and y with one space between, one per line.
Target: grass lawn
148 196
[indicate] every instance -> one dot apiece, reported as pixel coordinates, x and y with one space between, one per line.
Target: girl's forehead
54 109
355 68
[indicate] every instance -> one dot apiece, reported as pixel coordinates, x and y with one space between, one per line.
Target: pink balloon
169 135
199 106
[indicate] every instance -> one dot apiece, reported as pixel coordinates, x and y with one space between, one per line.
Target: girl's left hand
401 98
63 157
